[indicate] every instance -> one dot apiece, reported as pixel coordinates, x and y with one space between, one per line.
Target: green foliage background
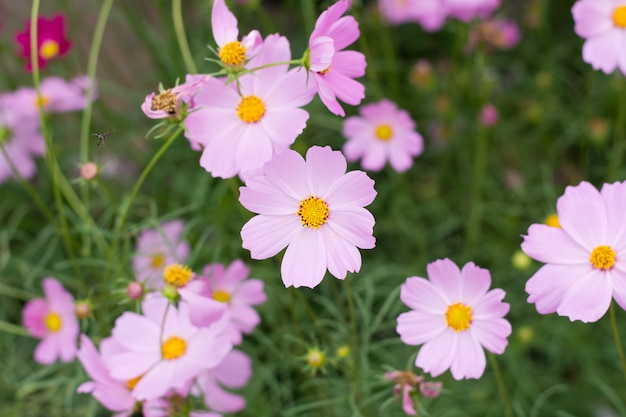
470 196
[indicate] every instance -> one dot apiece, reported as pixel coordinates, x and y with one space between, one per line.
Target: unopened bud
82 309
134 290
89 171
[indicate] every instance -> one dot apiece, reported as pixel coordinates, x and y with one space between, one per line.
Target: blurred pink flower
602 23
231 51
112 393
334 69
315 209
489 115
406 382
54 321
240 131
231 287
454 316
51 41
157 248
234 371
57 96
20 139
466 10
494 33
382 133
431 14
164 348
585 257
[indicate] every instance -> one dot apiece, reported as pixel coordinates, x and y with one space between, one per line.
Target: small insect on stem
102 137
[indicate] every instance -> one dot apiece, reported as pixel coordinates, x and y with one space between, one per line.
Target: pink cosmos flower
53 320
467 10
431 14
334 69
51 40
234 371
242 131
232 52
406 382
164 348
454 316
20 139
585 257
157 248
603 24
168 103
112 393
315 209
57 96
382 133
231 287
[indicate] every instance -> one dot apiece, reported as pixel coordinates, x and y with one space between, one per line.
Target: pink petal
91 360
275 49
265 236
223 23
582 215
436 356
355 225
475 283
350 64
283 126
421 295
47 351
244 317
603 51
345 88
469 361
34 314
490 305
614 196
553 245
235 370
59 300
287 171
156 382
203 311
446 276
548 285
407 401
327 95
416 328
592 18
220 400
304 262
322 52
588 298
342 256
354 188
344 32
323 167
133 331
328 17
492 334
251 292
618 282
129 365
261 196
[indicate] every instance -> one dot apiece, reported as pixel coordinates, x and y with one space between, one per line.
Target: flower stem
13 329
617 153
618 343
508 412
355 343
299 62
92 63
179 29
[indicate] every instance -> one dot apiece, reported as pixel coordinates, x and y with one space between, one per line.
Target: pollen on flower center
173 348
384 132
325 71
233 53
552 220
221 296
619 17
41 102
459 317
130 384
53 322
177 274
157 261
602 257
49 49
313 212
251 109
166 101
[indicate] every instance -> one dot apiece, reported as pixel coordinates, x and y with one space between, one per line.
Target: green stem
618 343
92 62
356 378
299 62
13 329
508 411
49 155
29 188
617 153
179 29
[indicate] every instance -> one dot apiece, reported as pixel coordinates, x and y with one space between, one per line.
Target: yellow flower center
602 257
324 72
49 49
233 53
41 102
173 348
553 220
251 109
459 317
53 322
158 259
177 274
130 384
164 101
619 17
384 132
313 212
221 296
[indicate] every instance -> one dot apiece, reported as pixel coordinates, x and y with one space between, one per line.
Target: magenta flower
489 115
603 24
54 322
157 248
21 140
242 132
231 287
315 209
585 257
51 41
334 69
454 316
382 133
234 371
232 52
113 394
164 348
